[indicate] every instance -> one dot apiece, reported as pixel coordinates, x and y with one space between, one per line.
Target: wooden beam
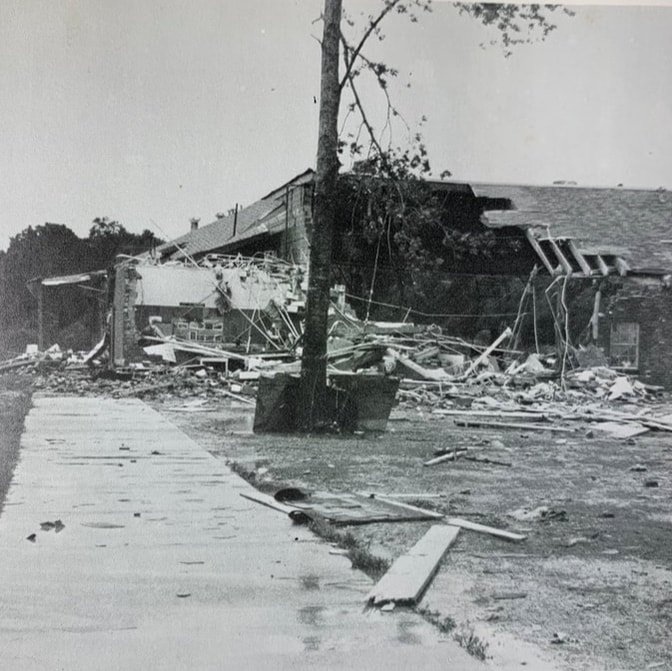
604 268
566 265
540 252
269 502
449 456
481 528
580 258
595 319
40 318
622 266
411 573
507 332
493 414
512 425
408 506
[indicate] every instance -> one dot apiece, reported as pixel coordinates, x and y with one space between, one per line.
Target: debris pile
485 385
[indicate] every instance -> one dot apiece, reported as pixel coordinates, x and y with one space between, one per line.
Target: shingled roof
632 223
250 221
220 233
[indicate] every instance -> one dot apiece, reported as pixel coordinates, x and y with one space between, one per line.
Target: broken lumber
487 460
482 528
408 506
237 397
449 456
511 425
418 371
621 430
488 352
411 573
530 416
269 501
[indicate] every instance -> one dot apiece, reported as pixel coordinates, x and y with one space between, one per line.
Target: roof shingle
632 223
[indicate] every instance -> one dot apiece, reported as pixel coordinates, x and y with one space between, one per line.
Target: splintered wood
408 577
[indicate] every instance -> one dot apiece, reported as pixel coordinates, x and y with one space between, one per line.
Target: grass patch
249 473
465 635
474 645
444 624
359 554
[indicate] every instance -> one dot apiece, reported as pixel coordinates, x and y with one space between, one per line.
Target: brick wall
125 333
646 302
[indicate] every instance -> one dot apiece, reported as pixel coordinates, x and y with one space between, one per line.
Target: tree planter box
356 402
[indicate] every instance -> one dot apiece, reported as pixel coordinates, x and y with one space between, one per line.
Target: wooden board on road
409 575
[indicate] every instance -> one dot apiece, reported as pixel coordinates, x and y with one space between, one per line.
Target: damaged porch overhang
561 255
64 280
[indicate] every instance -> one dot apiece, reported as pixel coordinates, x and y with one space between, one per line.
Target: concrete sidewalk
162 565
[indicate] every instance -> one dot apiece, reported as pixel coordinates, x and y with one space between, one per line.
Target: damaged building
214 284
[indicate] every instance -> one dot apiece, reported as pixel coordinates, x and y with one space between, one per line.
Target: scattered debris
541 513
512 425
341 509
620 430
448 456
409 575
501 596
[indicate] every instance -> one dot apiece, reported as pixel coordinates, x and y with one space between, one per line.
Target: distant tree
43 251
50 250
108 239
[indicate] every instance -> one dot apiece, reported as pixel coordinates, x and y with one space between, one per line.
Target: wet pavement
145 556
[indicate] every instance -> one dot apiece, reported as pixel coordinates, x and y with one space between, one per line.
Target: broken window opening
624 345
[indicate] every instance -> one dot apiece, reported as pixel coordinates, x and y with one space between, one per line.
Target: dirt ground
588 589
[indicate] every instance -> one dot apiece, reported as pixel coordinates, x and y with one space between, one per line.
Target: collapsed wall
213 303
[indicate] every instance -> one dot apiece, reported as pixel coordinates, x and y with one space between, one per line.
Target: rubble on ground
438 373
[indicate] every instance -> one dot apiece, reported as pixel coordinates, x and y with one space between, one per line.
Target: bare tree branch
372 26
358 102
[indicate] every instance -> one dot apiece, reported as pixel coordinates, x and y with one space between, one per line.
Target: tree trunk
312 406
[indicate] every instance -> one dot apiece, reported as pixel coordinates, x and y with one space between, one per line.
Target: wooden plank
474 364
421 495
487 460
622 266
604 268
430 513
512 425
532 416
620 430
449 456
578 256
268 501
411 573
567 266
473 526
540 252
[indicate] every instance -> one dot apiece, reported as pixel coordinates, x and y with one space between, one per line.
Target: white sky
165 109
